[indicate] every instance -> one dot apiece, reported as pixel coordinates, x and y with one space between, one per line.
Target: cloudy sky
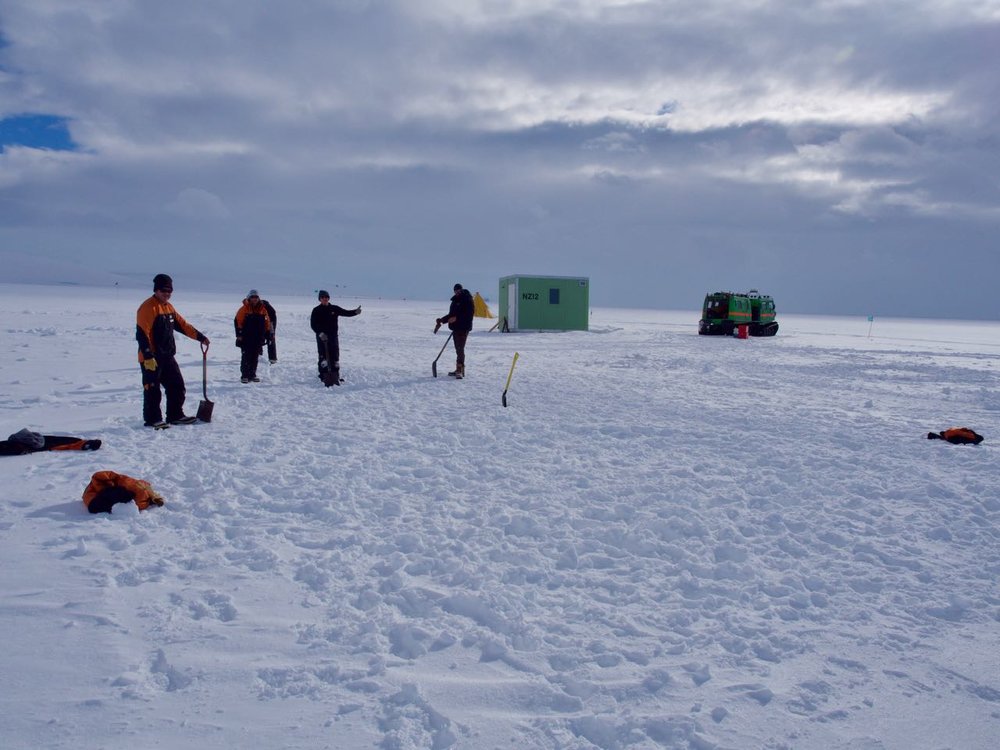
842 155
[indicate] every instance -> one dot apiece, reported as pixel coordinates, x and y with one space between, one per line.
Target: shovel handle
503 398
511 373
204 369
434 364
443 346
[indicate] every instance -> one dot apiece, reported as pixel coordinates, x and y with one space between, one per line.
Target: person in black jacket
459 320
324 323
272 347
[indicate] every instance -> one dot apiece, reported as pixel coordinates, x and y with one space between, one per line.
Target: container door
512 304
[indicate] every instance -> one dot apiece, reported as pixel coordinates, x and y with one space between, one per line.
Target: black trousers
459 337
168 375
248 361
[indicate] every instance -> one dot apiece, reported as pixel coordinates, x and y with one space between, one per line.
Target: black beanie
323 293
162 281
457 287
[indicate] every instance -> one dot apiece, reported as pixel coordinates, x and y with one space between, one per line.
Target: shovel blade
205 410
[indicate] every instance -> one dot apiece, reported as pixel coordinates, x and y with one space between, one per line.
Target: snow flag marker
510 374
871 322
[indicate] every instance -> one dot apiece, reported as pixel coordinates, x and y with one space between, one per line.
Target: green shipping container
545 303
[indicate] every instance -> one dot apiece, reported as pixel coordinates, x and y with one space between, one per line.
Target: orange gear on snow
144 495
961 434
957 436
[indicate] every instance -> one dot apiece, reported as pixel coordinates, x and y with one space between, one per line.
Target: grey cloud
662 148
195 203
616 141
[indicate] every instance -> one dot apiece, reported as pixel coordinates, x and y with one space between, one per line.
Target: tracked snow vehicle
724 311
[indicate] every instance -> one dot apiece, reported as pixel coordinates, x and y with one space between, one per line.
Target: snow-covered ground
666 540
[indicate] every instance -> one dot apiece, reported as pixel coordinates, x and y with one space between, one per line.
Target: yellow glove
150 364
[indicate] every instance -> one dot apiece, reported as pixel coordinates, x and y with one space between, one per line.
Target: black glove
239 342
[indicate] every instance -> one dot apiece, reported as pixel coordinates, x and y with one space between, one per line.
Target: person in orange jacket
155 323
107 488
253 330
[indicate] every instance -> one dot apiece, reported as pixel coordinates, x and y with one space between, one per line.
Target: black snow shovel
330 377
205 407
434 364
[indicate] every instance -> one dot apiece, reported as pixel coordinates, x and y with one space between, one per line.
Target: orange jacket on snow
143 494
957 436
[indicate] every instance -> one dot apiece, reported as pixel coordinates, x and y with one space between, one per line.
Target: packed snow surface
665 541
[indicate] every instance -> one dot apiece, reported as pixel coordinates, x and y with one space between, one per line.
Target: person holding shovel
324 324
459 320
155 323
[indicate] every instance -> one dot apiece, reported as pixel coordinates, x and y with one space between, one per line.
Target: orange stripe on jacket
248 309
145 320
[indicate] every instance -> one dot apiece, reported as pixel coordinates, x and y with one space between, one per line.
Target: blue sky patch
36 131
